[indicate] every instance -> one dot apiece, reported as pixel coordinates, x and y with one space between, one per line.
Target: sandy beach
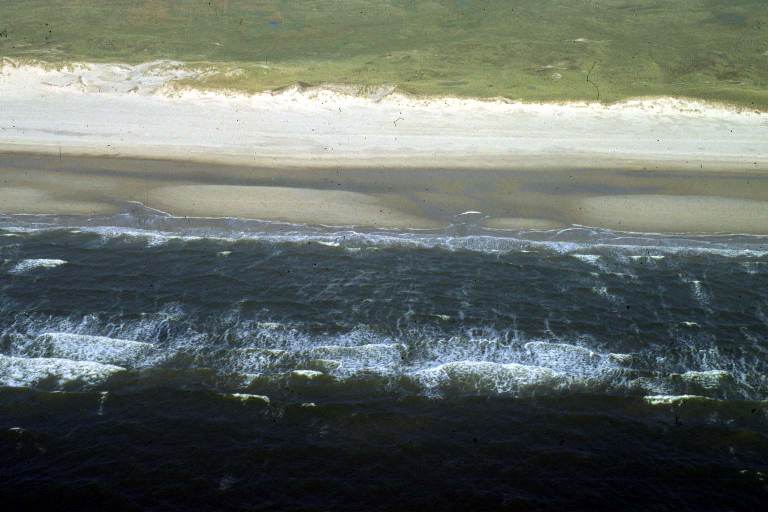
383 255
107 134
428 198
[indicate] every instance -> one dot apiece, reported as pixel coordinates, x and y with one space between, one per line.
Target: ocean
158 364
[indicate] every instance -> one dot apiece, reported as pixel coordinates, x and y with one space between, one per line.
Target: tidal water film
287 368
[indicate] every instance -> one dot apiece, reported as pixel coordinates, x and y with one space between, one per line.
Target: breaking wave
262 312
266 355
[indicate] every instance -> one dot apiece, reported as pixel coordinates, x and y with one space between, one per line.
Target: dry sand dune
135 111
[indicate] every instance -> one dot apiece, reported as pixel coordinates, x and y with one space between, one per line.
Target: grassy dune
532 50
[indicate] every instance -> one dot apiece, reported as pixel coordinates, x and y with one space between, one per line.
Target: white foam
644 257
34 372
589 258
80 347
701 294
269 325
102 401
32 264
673 399
306 374
247 397
255 360
612 242
271 351
486 377
602 291
710 380
374 356
563 357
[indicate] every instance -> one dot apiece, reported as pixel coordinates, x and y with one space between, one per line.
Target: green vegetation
520 49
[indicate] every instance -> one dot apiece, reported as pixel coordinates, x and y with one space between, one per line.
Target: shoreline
89 139
662 201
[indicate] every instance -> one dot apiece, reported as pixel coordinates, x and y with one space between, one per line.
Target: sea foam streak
79 347
460 366
53 372
408 336
32 264
578 241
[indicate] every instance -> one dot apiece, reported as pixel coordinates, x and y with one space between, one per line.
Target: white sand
133 111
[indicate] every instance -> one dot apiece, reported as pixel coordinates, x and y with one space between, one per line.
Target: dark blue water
296 370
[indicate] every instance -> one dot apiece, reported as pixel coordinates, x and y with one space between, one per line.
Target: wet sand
289 204
658 213
512 199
